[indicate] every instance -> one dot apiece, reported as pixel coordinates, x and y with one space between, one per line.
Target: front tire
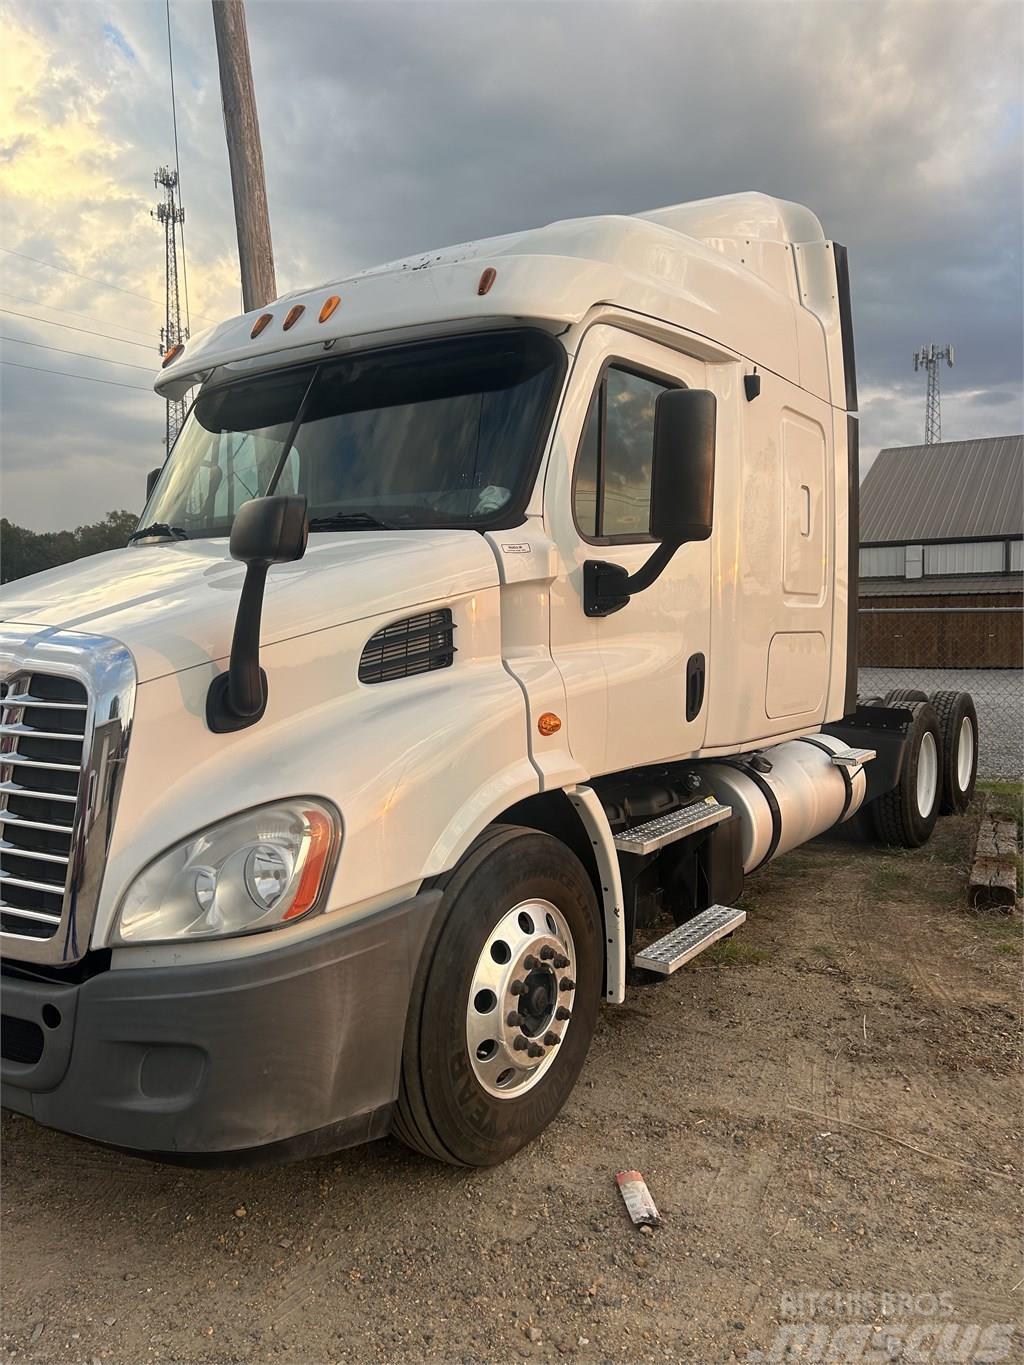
905 816
505 1000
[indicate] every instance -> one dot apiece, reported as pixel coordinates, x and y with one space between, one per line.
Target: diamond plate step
853 758
666 829
667 954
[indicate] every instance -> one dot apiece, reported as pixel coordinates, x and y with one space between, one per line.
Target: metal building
941 567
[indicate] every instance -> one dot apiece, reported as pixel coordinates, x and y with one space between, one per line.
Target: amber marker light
321 834
172 354
549 724
486 280
328 307
261 322
293 316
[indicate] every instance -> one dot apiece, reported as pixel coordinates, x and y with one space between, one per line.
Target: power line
82 355
68 312
91 279
177 165
88 330
66 374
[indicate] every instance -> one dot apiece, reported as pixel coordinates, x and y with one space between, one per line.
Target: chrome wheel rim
964 754
520 998
927 774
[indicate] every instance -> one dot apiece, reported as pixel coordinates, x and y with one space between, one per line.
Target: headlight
254 871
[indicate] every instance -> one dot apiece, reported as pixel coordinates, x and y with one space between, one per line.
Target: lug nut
514 1019
535 1050
520 1044
552 1039
530 962
547 952
563 1013
560 961
518 988
567 984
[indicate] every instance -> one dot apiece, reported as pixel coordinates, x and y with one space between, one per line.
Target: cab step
667 954
666 829
853 758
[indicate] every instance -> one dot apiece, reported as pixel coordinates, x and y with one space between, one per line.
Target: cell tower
171 214
928 358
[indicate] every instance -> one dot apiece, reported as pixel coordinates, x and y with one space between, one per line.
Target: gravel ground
824 1107
998 697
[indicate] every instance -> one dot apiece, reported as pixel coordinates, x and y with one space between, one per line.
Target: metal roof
952 490
951 585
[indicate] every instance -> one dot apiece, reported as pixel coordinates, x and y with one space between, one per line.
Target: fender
595 822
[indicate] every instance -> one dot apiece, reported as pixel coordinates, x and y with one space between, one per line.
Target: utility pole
170 213
928 359
245 155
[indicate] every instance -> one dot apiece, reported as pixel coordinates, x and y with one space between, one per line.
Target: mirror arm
608 587
238 697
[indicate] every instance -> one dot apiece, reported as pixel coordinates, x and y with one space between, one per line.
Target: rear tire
903 696
958 726
905 816
472 1089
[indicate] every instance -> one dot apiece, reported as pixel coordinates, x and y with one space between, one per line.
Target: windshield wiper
159 528
349 521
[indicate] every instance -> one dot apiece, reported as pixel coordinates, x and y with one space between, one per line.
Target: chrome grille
66 705
43 719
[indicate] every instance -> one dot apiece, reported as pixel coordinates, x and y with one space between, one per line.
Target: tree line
23 552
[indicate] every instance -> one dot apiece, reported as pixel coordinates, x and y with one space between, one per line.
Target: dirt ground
825 1108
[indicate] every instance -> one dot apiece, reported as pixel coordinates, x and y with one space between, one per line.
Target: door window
612 485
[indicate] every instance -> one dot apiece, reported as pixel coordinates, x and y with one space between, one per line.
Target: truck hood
174 604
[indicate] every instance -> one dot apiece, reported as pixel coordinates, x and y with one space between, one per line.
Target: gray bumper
289 1052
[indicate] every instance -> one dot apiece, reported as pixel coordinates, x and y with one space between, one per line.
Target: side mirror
682 497
151 479
683 477
265 531
270 530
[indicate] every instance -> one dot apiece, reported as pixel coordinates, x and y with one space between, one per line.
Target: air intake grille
42 733
419 644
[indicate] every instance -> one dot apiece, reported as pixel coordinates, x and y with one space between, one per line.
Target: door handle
694 685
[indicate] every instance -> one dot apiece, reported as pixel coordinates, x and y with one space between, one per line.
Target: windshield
439 433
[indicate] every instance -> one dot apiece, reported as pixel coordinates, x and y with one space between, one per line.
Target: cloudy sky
389 128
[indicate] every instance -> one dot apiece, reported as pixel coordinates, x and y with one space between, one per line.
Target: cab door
636 681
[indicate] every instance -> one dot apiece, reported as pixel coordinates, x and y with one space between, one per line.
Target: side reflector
260 323
329 307
310 883
549 723
486 280
293 316
172 354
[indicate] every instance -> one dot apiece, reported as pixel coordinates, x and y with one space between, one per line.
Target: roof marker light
172 354
329 307
293 316
486 280
260 323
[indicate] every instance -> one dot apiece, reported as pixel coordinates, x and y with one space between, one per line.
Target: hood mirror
265 531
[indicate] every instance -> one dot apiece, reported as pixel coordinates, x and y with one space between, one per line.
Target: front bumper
285 1053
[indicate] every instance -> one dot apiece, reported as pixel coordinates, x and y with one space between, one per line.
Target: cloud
391 128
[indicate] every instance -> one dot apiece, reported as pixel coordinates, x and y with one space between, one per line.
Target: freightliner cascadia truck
492 618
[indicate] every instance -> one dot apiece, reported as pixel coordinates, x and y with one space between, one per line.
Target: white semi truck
492 618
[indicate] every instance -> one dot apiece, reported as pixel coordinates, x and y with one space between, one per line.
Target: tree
24 552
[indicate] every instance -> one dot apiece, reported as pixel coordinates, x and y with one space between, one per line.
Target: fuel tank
788 794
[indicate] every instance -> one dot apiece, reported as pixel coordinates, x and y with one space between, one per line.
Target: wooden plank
993 882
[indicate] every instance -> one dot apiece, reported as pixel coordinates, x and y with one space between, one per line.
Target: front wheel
505 1001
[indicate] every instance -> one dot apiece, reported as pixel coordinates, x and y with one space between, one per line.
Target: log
993 882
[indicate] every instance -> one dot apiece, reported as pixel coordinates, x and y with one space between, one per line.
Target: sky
389 128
